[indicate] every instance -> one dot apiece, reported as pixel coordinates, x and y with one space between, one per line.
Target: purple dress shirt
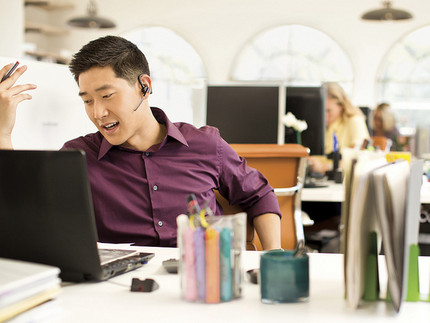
138 195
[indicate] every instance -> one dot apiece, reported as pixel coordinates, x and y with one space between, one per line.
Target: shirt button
155 187
160 223
146 154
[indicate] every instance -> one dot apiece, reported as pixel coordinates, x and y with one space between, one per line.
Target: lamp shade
91 20
386 13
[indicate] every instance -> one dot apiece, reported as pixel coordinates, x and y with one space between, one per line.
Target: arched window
403 79
177 72
295 54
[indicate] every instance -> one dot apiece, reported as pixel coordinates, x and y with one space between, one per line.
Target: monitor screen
307 103
367 114
244 114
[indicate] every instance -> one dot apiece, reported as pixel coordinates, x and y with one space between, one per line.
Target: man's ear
145 83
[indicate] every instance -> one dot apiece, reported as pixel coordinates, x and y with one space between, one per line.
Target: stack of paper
382 199
24 285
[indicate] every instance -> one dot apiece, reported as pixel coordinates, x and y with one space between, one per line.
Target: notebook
24 285
47 216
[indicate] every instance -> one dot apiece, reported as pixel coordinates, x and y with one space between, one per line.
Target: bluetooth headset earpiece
145 90
144 87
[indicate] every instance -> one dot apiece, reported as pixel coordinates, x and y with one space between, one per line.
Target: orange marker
212 266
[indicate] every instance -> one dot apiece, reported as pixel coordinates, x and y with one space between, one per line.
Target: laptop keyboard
113 255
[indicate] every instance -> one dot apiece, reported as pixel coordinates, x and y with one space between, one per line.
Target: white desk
332 193
335 193
111 301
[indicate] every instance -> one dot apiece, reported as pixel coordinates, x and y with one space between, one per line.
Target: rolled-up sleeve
243 185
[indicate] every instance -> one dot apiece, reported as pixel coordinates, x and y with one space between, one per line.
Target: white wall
11 27
55 114
218 29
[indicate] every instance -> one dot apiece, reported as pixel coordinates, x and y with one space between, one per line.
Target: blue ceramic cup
284 278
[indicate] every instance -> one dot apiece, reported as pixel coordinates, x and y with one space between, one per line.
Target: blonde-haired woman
348 123
344 121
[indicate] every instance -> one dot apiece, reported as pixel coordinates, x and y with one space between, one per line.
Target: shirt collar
336 124
161 117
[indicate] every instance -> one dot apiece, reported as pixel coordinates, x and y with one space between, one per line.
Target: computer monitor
307 103
367 112
244 114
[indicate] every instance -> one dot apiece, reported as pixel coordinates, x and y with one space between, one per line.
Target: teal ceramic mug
284 278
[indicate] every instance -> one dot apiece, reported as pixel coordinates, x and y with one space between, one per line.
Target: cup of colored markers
210 254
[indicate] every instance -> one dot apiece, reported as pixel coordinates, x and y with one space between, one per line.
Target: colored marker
212 266
225 265
199 249
190 292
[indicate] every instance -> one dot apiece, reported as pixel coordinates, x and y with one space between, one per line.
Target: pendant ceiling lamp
91 20
386 13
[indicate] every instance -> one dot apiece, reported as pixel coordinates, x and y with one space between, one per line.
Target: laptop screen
47 212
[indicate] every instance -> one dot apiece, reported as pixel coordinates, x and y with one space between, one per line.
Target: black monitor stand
336 173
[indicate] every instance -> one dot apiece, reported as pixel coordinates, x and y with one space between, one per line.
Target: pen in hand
9 73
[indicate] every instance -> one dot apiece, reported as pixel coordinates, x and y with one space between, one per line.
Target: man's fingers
21 88
4 70
22 97
10 81
14 77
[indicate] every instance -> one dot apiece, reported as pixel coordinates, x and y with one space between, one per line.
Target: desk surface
335 193
332 193
111 301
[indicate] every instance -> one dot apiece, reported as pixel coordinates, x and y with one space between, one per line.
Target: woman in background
383 124
348 124
344 121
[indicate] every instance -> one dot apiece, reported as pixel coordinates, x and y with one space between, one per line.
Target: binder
391 191
361 222
390 186
413 208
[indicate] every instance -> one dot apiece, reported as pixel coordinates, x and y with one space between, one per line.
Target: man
141 166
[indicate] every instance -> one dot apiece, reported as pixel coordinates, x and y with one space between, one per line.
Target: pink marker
190 266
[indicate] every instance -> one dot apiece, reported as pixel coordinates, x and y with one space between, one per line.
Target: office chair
284 167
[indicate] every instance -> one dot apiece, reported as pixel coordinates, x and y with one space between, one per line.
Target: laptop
47 216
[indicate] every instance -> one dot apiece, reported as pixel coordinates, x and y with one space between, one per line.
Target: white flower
301 125
290 120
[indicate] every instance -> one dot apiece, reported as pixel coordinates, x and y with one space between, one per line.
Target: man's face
109 103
